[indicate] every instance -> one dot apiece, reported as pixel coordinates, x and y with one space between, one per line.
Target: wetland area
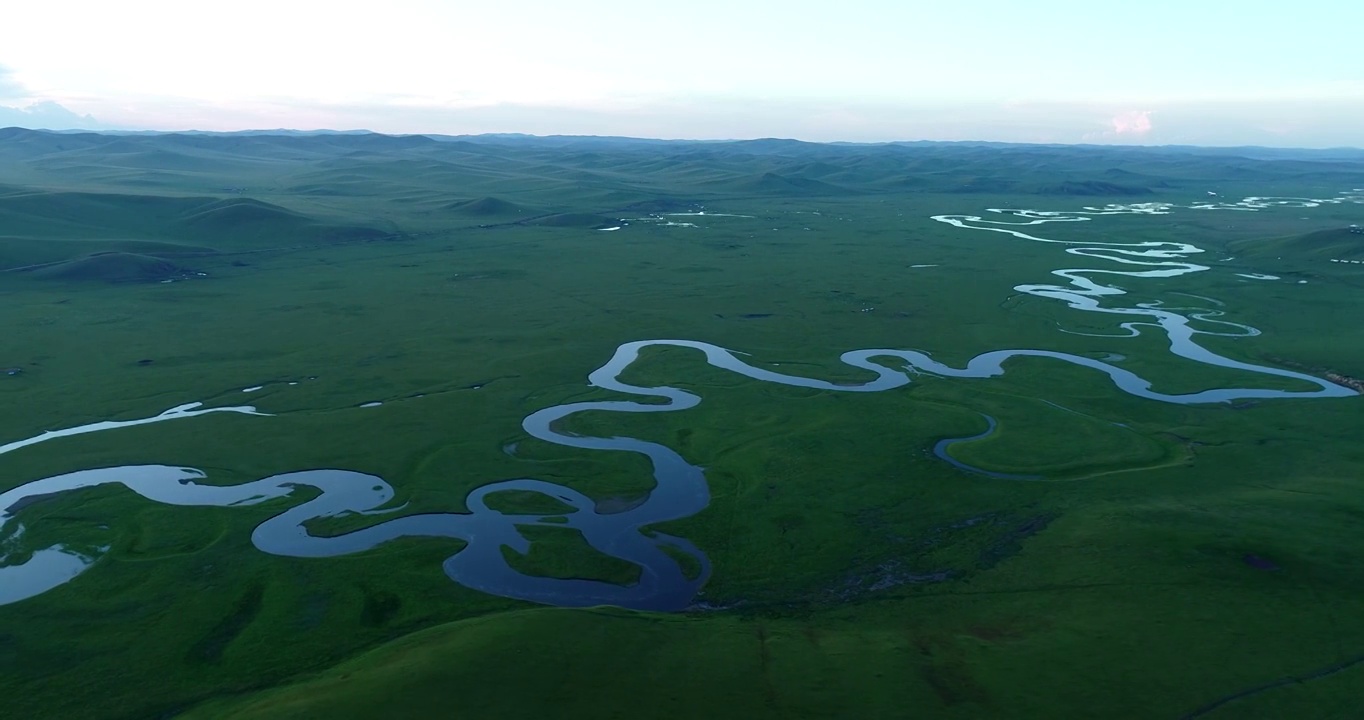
964 413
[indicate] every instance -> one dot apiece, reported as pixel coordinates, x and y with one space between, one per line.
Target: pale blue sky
1153 71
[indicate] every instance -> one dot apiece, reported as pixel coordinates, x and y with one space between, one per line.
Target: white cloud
1131 123
47 116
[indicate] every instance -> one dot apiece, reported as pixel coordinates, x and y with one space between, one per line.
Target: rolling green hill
573 220
1331 244
45 226
1095 188
487 207
560 174
111 267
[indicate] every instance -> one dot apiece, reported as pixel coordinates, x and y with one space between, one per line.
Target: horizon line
362 131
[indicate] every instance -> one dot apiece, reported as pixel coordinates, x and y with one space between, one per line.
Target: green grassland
462 283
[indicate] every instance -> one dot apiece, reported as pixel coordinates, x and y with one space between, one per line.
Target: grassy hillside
52 226
1338 243
487 207
112 267
574 220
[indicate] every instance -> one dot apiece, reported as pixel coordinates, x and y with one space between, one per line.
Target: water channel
680 487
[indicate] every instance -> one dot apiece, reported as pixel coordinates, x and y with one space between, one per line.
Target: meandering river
680 487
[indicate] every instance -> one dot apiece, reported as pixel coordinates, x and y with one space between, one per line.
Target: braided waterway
680 488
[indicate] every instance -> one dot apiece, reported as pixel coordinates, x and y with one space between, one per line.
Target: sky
1210 72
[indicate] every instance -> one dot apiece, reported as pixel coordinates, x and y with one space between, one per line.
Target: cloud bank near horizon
32 112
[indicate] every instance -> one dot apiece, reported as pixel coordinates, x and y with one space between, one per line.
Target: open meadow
397 307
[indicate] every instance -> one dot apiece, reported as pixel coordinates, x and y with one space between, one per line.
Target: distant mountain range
142 206
34 116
